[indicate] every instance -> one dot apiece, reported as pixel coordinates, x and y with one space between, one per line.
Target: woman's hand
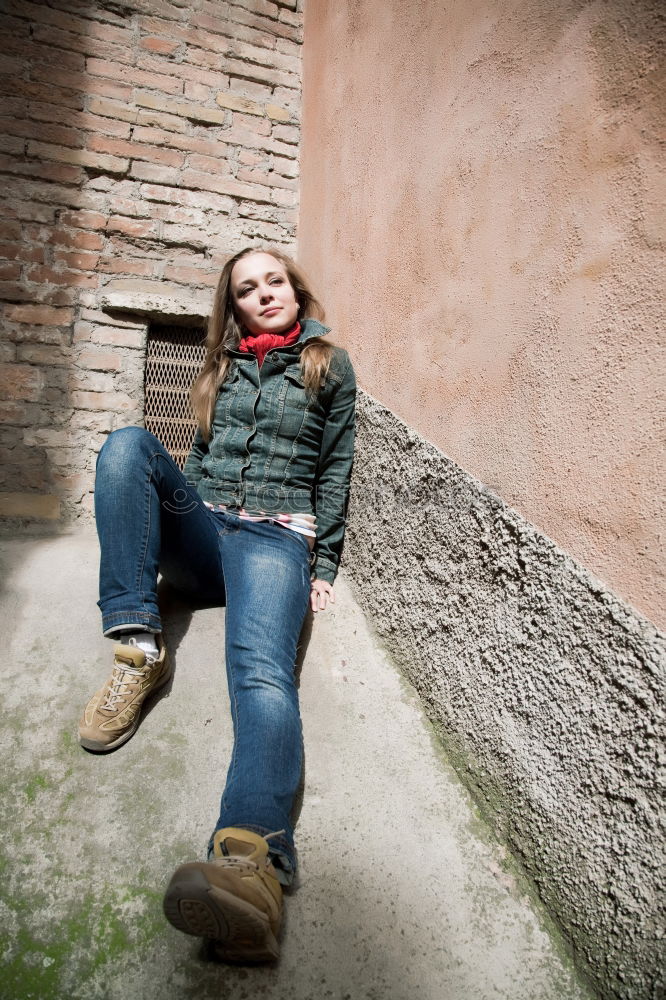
320 594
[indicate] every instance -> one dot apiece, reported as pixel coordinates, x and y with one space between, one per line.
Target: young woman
256 524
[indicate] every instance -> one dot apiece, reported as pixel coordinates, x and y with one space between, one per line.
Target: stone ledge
155 301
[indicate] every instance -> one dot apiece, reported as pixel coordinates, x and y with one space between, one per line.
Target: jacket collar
311 328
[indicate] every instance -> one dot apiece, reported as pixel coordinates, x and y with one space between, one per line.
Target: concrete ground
402 892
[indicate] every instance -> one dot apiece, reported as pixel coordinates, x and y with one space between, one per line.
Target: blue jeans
150 520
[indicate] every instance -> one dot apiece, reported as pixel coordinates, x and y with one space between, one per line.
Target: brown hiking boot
112 714
235 900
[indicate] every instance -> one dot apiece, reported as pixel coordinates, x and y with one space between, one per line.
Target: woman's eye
277 281
242 293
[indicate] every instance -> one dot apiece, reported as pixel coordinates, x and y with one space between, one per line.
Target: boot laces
120 685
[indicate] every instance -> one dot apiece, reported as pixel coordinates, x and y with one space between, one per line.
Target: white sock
146 641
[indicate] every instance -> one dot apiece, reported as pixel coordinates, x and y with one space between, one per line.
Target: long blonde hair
225 333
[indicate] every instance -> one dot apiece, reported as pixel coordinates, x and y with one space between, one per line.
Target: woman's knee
124 447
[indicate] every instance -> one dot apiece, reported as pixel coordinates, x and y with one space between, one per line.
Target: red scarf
263 342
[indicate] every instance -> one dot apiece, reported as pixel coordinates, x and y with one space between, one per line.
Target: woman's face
264 299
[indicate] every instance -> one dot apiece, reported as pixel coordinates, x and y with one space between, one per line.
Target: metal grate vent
174 357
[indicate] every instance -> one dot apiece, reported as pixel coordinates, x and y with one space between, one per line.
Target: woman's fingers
320 594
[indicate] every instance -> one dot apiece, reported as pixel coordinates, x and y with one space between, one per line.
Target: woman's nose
266 293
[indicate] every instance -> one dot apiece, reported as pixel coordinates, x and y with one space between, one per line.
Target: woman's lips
271 311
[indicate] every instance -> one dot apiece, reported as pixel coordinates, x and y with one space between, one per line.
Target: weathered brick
197 92
205 182
21 381
18 413
38 505
23 251
133 208
41 354
236 103
280 196
190 236
191 275
131 227
115 402
65 78
77 239
12 144
39 335
91 381
105 107
84 219
84 43
43 92
214 79
260 74
180 216
41 111
61 172
81 260
260 126
99 360
270 58
85 420
162 120
10 271
28 210
11 65
136 150
144 171
278 114
260 92
151 81
208 164
287 133
288 98
10 230
278 29
285 166
35 54
72 279
7 351
294 19
181 196
183 109
191 143
271 179
252 157
14 291
164 46
127 265
43 131
290 46
46 437
113 89
14 107
82 157
266 231
38 315
114 336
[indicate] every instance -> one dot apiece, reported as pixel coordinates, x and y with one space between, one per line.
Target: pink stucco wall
481 214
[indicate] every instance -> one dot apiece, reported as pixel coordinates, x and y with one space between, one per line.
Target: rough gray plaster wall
546 689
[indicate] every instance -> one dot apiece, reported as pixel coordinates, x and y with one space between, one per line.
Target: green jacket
275 449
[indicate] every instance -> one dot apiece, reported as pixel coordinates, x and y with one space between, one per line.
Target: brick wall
141 142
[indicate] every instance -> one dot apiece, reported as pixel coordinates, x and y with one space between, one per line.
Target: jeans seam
142 559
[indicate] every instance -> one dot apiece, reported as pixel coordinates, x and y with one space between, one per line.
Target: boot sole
240 932
98 747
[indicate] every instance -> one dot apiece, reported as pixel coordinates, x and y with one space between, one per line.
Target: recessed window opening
174 358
